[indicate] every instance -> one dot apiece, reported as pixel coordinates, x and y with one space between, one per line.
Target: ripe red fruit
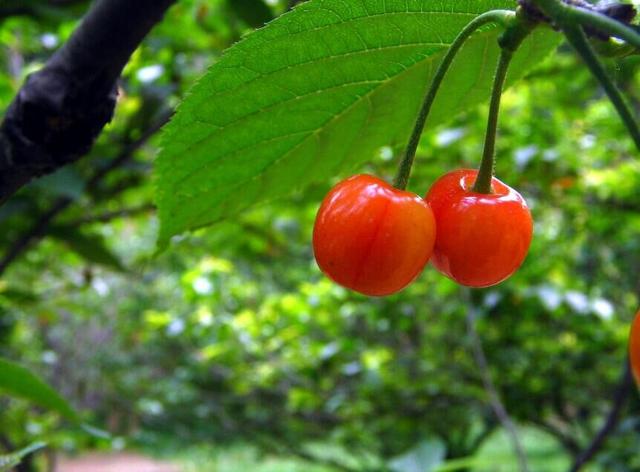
371 237
482 238
634 347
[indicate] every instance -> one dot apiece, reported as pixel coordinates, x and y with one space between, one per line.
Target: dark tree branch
34 8
62 108
620 397
42 224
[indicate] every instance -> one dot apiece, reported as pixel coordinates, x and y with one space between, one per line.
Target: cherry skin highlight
371 237
634 348
482 239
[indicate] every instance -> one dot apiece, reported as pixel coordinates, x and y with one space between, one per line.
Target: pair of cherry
376 239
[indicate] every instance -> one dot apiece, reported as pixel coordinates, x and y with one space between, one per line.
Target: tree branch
40 227
62 108
34 8
111 215
494 396
620 397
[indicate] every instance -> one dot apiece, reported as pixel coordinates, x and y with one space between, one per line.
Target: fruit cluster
376 239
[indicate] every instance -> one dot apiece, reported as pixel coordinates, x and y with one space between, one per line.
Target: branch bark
42 224
620 397
61 109
494 397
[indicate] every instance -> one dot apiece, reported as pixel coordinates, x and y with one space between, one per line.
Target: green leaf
316 92
17 296
425 457
90 246
9 461
20 382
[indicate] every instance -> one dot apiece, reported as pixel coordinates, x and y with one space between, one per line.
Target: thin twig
39 229
111 215
576 37
494 397
620 396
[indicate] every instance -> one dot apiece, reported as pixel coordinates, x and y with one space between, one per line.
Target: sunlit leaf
316 92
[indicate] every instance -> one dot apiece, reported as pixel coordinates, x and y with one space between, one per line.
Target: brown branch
40 227
620 397
494 397
62 108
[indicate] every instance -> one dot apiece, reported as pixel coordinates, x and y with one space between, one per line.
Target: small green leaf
20 382
425 457
90 246
9 461
316 92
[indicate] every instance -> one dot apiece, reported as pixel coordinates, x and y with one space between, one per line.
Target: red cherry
634 348
482 238
371 237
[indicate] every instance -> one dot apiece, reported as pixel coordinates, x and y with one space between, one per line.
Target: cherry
482 238
371 237
634 347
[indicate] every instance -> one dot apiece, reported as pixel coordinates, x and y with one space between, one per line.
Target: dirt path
120 462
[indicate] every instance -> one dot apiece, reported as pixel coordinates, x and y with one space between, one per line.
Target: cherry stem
509 43
564 12
576 37
500 17
485 174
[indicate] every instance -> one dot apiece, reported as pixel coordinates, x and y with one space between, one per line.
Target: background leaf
315 92
425 457
8 461
90 246
20 382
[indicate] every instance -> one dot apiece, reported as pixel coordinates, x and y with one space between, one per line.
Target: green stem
576 37
485 174
509 43
564 13
500 17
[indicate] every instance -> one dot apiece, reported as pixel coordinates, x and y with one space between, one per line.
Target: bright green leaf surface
20 382
315 92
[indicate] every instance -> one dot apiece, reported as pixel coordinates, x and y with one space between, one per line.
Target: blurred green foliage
233 334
